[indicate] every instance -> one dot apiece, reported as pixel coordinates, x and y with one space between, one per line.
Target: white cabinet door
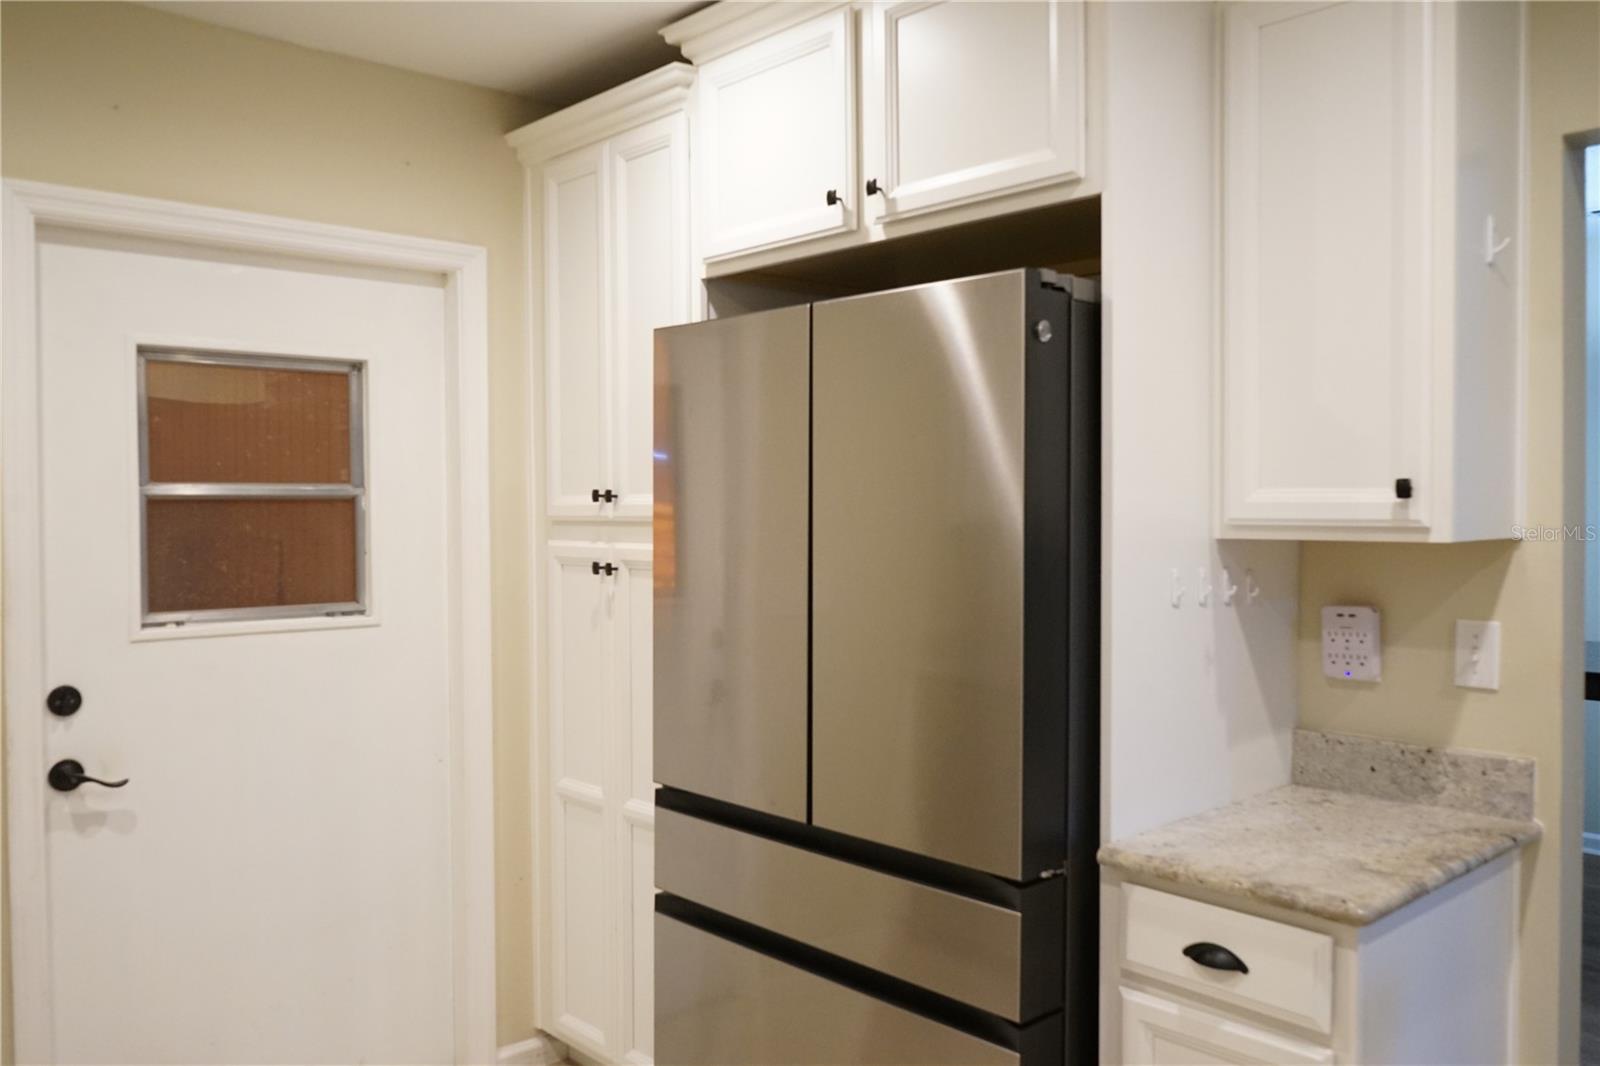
970 100
650 265
1326 239
582 606
635 825
777 136
576 265
1160 1032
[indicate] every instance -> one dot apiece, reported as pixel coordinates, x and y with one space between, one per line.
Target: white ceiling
554 52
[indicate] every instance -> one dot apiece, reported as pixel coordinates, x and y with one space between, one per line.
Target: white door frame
24 207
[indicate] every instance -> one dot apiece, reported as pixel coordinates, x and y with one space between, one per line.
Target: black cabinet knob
832 197
1214 957
1402 488
873 188
602 568
67 775
64 701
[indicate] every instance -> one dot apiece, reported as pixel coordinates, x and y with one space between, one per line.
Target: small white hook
1252 589
1491 247
1229 589
1177 588
1204 596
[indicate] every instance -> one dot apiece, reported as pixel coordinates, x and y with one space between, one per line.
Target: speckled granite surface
1344 856
1501 785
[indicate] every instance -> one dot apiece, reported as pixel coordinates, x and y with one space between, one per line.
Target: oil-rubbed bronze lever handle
68 774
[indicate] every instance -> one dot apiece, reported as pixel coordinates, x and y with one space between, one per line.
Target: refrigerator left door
732 556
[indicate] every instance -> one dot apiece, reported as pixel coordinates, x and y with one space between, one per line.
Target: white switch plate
1478 654
1350 646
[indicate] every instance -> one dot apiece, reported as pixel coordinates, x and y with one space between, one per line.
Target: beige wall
1534 589
120 97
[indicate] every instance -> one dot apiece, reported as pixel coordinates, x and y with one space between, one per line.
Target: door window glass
253 487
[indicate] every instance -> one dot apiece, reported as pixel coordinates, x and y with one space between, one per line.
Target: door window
253 486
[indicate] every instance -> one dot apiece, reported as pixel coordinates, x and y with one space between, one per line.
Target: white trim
540 1049
644 99
24 206
720 28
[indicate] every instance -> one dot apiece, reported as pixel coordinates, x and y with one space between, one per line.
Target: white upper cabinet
777 148
968 100
963 110
1370 365
610 178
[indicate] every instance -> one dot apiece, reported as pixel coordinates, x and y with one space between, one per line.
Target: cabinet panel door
1160 1032
634 889
580 649
777 133
976 99
575 269
650 235
1326 240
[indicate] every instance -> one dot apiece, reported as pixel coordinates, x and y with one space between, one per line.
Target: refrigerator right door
932 491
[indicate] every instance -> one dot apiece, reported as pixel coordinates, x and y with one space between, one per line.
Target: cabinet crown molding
721 28
606 114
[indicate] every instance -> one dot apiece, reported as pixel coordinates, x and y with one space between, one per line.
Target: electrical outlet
1478 654
1350 646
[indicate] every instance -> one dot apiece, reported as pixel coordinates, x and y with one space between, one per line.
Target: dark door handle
68 774
1215 957
596 495
873 188
607 569
832 197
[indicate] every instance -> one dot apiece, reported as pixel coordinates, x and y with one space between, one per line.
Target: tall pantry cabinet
610 261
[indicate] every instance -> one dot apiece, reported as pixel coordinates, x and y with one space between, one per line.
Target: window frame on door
354 489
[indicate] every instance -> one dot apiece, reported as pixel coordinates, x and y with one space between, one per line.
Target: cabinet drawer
1290 969
1160 1032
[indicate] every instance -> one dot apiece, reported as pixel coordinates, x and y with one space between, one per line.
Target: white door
1326 297
603 824
576 264
776 155
650 240
1161 1032
972 100
266 665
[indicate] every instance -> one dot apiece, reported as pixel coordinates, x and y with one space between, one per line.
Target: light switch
1478 654
1350 645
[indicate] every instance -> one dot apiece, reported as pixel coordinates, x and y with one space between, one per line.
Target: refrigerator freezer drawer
732 439
720 1003
1007 962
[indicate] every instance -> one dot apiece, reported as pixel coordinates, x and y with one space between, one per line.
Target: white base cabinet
1371 367
608 192
1431 982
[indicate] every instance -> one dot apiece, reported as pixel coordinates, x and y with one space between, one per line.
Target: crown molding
648 96
720 28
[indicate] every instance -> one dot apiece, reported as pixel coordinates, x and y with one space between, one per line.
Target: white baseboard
540 1049
1591 843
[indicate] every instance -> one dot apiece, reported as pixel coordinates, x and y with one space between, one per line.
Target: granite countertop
1355 852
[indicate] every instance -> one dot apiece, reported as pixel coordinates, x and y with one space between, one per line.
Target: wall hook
1491 247
1229 589
1252 588
1203 596
1177 588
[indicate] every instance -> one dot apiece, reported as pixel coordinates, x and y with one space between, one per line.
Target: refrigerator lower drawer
1005 961
721 1003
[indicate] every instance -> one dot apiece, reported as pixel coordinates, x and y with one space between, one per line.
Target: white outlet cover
1478 654
1351 650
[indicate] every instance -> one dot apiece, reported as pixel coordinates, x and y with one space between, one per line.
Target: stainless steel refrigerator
876 678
